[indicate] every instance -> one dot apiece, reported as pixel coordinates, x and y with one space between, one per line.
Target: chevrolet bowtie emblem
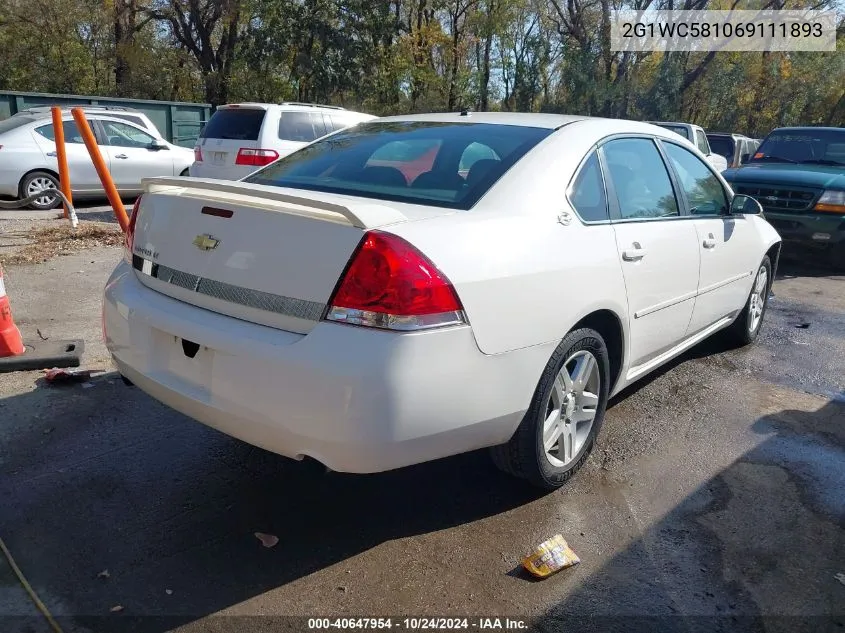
205 242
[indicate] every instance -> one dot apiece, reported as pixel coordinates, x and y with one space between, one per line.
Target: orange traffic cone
11 343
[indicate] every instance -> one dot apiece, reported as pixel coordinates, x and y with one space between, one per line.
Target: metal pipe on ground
101 167
61 156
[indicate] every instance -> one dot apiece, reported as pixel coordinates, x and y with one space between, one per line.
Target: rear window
234 123
722 145
417 162
7 125
677 129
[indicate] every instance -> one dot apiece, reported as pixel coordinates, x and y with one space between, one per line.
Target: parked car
736 148
116 112
328 307
695 135
242 137
28 163
798 176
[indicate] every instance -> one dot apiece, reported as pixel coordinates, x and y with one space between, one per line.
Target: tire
35 181
745 328
525 455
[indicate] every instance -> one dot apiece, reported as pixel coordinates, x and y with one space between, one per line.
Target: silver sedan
28 163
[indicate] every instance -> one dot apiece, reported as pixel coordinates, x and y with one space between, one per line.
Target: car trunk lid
260 253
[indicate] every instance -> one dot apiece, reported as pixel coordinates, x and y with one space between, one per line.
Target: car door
657 247
131 155
83 175
727 243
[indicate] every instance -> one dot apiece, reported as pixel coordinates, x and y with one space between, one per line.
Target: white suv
241 137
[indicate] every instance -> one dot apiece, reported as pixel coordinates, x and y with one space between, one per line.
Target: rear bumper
819 229
354 399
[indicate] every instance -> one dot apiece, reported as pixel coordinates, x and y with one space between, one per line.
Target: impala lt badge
205 242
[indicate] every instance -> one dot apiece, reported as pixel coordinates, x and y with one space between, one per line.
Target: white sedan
28 162
421 286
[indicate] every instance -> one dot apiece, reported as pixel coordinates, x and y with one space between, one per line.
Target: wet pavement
715 502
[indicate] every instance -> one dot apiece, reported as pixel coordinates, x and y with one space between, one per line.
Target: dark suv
798 176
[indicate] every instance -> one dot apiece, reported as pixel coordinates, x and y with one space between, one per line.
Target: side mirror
744 158
745 205
158 145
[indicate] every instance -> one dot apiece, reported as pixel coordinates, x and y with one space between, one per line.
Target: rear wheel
746 327
35 183
557 433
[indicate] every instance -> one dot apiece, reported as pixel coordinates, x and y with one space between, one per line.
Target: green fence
179 122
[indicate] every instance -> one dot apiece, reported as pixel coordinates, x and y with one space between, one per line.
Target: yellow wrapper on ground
550 556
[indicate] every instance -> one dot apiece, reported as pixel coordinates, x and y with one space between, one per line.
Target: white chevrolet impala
421 286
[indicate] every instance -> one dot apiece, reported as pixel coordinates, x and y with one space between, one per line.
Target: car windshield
805 146
722 145
419 162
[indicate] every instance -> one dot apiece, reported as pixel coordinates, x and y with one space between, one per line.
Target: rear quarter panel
523 277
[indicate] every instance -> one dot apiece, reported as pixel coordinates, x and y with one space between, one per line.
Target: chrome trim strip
288 306
665 304
725 282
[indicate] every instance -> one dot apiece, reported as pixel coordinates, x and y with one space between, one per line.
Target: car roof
288 105
529 119
805 128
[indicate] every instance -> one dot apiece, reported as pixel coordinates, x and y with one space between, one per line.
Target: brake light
198 153
390 284
129 239
256 157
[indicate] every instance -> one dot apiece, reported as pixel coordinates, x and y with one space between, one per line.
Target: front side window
703 190
639 176
588 195
125 135
387 160
72 134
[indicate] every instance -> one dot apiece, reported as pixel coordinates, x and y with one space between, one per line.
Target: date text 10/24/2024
418 624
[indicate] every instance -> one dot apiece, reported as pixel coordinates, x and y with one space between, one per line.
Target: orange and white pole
61 155
101 167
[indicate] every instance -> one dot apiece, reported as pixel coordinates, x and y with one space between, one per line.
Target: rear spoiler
361 215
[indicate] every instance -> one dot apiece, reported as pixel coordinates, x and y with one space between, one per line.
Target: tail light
390 284
129 239
256 157
198 153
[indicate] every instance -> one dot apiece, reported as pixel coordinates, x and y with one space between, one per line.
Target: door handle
635 253
121 156
51 154
710 242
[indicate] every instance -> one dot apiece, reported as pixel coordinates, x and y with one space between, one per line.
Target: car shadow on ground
119 482
757 548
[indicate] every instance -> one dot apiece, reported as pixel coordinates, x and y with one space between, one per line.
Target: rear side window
72 134
588 194
235 124
417 162
303 127
14 122
642 184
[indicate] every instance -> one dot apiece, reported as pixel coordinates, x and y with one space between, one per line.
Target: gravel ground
714 501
